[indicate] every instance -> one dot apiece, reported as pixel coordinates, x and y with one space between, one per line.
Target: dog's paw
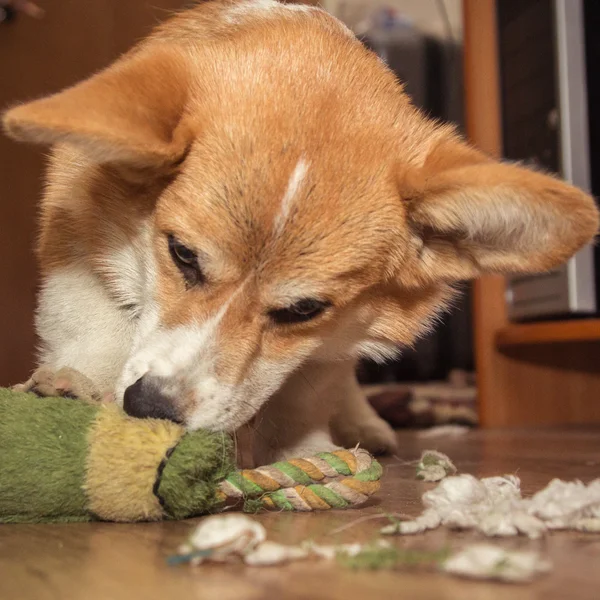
311 444
374 435
65 382
307 450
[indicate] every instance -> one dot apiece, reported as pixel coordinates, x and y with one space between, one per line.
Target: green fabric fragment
378 555
43 449
371 558
335 463
298 475
429 460
329 496
193 472
434 466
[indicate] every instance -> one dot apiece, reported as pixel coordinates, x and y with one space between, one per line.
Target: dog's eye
186 261
301 312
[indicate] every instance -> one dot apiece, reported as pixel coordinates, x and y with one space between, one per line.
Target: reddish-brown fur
199 129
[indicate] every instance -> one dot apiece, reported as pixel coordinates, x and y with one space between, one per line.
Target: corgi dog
244 205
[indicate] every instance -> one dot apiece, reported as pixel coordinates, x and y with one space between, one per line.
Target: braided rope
340 479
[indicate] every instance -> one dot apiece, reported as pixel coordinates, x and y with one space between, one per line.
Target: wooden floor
104 561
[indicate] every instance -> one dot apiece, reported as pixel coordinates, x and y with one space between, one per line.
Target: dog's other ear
132 112
468 215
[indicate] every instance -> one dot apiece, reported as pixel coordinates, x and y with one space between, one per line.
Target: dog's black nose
145 399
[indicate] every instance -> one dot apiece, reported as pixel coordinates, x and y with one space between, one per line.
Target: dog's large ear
132 112
468 214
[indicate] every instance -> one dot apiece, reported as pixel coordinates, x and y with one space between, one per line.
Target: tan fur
197 132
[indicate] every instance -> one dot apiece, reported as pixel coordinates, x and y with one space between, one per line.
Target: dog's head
304 210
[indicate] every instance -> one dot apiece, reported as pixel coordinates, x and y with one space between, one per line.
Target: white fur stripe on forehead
295 183
267 7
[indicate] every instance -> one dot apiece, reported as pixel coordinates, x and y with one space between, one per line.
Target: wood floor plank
103 561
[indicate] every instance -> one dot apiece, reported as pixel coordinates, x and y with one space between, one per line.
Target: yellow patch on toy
121 464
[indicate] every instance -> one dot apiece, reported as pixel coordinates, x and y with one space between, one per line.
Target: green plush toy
63 460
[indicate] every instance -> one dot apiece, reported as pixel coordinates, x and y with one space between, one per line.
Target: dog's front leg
295 421
356 421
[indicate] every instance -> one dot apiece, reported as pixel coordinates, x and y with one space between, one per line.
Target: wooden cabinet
538 374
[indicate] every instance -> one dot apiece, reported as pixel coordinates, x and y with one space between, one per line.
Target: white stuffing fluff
568 505
483 561
269 554
224 537
494 506
444 431
330 552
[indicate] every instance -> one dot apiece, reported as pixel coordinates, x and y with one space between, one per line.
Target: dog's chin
223 421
